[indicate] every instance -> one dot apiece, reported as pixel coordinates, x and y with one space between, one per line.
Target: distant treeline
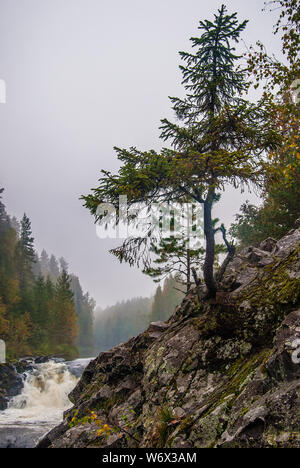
118 323
43 310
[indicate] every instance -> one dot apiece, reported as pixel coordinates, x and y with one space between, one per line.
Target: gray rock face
11 384
268 245
219 373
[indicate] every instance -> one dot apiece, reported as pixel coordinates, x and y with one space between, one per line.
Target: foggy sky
83 76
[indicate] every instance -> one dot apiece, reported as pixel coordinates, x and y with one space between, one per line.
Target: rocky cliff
219 373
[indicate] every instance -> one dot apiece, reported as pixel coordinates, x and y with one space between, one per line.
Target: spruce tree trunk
188 258
210 248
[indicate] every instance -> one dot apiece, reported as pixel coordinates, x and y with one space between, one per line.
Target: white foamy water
41 404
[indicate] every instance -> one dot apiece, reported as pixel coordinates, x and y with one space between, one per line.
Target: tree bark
231 252
188 273
209 232
195 276
222 270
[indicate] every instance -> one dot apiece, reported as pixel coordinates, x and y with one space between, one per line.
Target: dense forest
118 323
43 310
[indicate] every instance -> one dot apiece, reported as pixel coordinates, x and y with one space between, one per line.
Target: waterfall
45 391
41 404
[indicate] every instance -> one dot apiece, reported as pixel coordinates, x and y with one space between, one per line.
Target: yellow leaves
12 291
92 418
93 414
270 156
105 430
20 331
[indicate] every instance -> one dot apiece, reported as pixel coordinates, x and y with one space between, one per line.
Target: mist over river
40 405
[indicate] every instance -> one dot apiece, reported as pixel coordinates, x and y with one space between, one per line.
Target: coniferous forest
43 310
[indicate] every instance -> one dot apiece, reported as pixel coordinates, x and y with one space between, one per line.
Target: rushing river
41 404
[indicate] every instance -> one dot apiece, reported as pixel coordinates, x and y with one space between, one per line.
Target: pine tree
39 313
7 240
63 264
158 306
175 256
166 299
66 327
36 267
211 80
220 143
84 307
27 239
216 119
54 268
26 254
63 287
44 261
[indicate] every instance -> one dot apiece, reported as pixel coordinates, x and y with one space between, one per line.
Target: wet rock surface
219 373
11 384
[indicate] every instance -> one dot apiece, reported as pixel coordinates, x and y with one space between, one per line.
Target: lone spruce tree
25 253
220 141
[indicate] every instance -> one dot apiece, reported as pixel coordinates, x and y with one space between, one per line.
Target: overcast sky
83 76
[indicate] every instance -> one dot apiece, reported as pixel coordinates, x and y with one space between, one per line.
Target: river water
41 404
